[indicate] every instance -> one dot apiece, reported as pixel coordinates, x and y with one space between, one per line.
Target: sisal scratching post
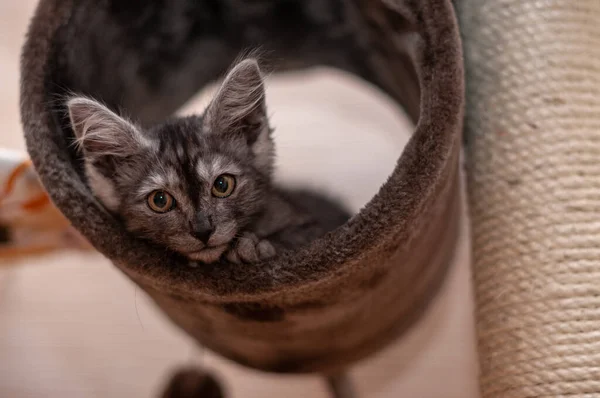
533 133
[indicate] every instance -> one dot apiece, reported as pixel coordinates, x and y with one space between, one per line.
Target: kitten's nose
203 229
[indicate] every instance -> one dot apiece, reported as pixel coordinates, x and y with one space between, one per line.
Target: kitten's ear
99 131
239 105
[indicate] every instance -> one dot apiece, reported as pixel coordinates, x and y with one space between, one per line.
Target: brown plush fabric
347 294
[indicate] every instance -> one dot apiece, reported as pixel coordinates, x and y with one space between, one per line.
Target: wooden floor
72 326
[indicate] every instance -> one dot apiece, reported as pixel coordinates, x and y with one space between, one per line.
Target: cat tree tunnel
318 309
321 309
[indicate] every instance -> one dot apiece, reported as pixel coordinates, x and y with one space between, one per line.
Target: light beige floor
73 326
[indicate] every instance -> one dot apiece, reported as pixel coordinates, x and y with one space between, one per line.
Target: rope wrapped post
533 138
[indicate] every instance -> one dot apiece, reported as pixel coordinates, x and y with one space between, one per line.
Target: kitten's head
191 184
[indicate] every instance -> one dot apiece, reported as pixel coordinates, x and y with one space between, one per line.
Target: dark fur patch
286 366
255 311
373 280
309 305
295 363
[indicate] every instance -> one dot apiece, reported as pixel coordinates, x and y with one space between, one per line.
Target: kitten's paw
244 249
265 250
250 249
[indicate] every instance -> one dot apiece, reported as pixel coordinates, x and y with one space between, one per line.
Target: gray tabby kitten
200 185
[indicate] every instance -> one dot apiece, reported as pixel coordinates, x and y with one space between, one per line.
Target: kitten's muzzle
203 228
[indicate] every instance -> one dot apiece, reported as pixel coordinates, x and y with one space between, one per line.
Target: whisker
136 307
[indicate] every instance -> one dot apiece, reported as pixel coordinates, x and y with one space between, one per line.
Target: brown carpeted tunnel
343 297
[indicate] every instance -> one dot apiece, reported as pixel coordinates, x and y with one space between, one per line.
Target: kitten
200 185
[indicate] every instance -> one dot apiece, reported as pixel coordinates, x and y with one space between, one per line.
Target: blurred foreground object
29 223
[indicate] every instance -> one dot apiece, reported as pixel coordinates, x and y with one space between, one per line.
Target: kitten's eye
223 186
161 201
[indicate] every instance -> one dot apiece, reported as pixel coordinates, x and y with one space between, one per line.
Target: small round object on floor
193 383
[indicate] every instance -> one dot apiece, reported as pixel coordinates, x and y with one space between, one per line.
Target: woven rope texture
533 132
